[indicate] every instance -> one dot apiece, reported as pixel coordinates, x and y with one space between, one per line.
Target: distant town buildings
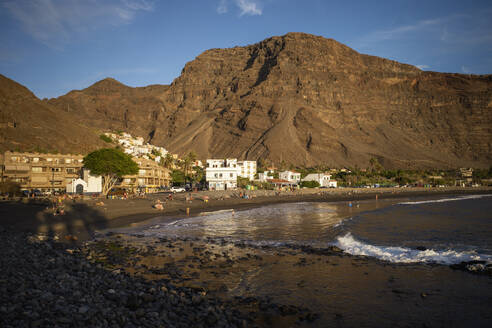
323 179
150 178
290 176
64 172
246 169
264 176
136 147
221 174
88 183
44 172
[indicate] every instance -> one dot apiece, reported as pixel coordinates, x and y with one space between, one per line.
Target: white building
264 176
221 174
246 169
323 179
290 176
88 184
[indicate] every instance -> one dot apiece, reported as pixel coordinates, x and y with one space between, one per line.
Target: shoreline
216 282
84 217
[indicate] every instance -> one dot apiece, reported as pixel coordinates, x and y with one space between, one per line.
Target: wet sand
303 286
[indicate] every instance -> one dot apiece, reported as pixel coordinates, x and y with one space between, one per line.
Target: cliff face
309 100
306 100
29 124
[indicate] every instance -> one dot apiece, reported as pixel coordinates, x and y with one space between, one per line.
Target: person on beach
158 205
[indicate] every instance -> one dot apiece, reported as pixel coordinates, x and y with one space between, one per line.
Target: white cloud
222 7
399 31
55 22
246 7
422 66
249 7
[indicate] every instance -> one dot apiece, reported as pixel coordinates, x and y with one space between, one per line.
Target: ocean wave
394 254
443 200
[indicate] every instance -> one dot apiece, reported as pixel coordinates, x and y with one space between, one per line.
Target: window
220 175
35 159
231 175
68 160
13 159
70 170
37 169
216 175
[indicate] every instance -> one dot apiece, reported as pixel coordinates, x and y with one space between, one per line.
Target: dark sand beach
85 216
246 283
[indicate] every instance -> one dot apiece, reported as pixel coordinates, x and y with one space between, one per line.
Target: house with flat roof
323 179
221 174
290 176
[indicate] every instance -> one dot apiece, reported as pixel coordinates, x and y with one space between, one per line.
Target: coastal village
45 173
48 173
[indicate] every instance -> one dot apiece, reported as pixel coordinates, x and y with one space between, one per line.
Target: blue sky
54 46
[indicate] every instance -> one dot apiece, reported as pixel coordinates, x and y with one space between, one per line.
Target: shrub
105 138
309 184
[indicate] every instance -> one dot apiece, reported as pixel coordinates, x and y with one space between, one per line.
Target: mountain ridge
305 100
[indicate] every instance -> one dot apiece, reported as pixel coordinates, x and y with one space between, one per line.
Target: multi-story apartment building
221 174
150 177
246 169
45 172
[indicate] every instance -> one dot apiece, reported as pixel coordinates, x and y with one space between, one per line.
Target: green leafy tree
105 138
177 177
156 153
242 182
198 174
111 164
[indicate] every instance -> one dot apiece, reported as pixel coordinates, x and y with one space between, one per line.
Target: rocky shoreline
45 284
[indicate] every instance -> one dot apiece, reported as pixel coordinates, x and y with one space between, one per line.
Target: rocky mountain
29 124
305 100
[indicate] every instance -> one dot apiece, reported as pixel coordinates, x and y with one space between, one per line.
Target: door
79 189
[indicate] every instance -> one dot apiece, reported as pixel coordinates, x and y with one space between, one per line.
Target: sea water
444 230
396 272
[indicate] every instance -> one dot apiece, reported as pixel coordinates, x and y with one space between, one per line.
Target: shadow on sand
79 222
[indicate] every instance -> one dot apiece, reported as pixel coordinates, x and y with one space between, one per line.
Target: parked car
177 189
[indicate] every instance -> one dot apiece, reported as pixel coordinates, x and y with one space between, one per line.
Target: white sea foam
406 255
445 200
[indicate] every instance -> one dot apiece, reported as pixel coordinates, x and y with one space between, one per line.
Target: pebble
43 285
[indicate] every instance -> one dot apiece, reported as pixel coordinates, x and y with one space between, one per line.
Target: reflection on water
439 230
313 223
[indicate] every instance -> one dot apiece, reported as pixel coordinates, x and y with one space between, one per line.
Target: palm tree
188 162
167 161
